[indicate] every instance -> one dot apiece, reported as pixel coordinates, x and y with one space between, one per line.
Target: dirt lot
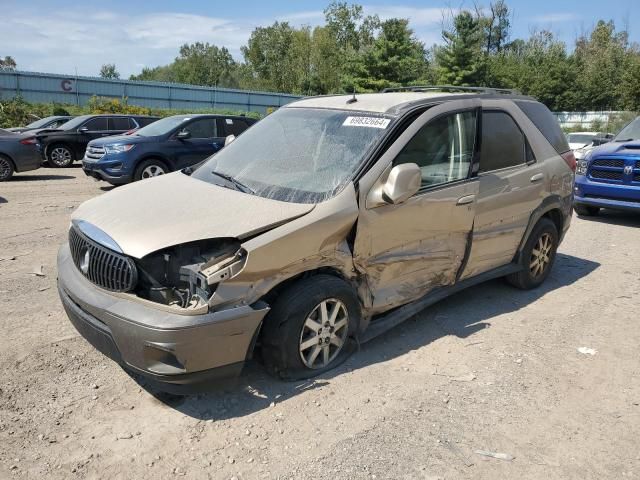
492 369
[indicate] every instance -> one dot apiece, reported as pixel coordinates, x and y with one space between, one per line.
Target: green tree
7 63
496 26
268 53
204 64
460 60
601 59
539 67
396 57
108 70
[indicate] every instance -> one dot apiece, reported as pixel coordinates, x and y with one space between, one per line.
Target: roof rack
425 88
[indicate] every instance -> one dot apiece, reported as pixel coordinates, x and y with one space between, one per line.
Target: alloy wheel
60 156
152 171
324 333
5 168
541 255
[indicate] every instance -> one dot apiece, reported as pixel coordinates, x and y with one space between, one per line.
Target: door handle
537 177
466 200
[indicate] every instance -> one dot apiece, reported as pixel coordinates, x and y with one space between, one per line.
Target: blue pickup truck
169 144
609 175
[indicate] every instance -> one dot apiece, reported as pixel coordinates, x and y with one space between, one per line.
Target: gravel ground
490 369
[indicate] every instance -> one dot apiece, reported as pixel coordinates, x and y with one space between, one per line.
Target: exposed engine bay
187 275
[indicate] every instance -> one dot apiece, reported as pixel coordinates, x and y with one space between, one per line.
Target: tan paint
147 216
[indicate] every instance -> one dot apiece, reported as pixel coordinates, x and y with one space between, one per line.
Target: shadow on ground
29 178
256 389
623 218
3 200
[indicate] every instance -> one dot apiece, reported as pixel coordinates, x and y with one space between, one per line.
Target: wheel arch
553 208
283 285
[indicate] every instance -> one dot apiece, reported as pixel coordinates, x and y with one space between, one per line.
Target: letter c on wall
66 85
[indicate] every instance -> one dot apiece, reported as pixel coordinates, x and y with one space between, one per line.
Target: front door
202 143
406 250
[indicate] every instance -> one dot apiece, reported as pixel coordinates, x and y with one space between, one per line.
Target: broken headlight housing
187 275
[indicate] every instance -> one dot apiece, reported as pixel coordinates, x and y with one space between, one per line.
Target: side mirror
183 135
600 141
83 129
229 139
402 182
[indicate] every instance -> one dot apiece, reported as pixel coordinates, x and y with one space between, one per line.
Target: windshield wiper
626 140
238 184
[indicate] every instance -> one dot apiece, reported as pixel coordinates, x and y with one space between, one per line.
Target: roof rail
454 88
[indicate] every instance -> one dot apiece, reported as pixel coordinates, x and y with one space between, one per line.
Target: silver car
329 221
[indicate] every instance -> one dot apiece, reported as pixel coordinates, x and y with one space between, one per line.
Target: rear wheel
6 168
537 256
150 168
586 210
60 156
308 327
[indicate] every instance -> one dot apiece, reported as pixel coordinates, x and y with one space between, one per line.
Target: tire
60 156
586 210
537 256
291 349
150 168
6 168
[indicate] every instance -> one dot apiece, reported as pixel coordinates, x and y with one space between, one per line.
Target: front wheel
60 156
307 330
150 168
537 256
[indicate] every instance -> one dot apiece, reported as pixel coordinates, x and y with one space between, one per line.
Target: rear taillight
28 141
570 160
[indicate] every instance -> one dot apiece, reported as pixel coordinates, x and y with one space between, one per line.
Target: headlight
581 168
118 148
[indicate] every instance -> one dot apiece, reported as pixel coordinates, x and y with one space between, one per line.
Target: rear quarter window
544 120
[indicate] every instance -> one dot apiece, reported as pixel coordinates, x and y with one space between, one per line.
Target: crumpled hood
153 214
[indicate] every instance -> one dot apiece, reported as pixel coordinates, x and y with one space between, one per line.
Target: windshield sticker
229 121
371 122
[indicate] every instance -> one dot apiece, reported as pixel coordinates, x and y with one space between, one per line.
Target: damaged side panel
317 240
406 250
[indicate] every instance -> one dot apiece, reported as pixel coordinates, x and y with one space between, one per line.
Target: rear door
406 250
120 125
511 186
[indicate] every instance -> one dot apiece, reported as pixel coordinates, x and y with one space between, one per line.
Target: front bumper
606 195
182 351
106 171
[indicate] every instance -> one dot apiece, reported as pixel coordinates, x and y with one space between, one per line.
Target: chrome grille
606 175
606 162
94 153
101 266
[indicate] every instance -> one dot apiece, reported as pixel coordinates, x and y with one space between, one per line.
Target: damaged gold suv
331 220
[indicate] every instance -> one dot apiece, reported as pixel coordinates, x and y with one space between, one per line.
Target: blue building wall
69 89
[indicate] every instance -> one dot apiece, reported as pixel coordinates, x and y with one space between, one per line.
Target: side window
204 128
503 144
144 121
234 126
119 123
97 124
443 148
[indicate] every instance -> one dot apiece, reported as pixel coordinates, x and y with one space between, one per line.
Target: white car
580 142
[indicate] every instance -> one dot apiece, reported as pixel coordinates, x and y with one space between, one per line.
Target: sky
60 36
